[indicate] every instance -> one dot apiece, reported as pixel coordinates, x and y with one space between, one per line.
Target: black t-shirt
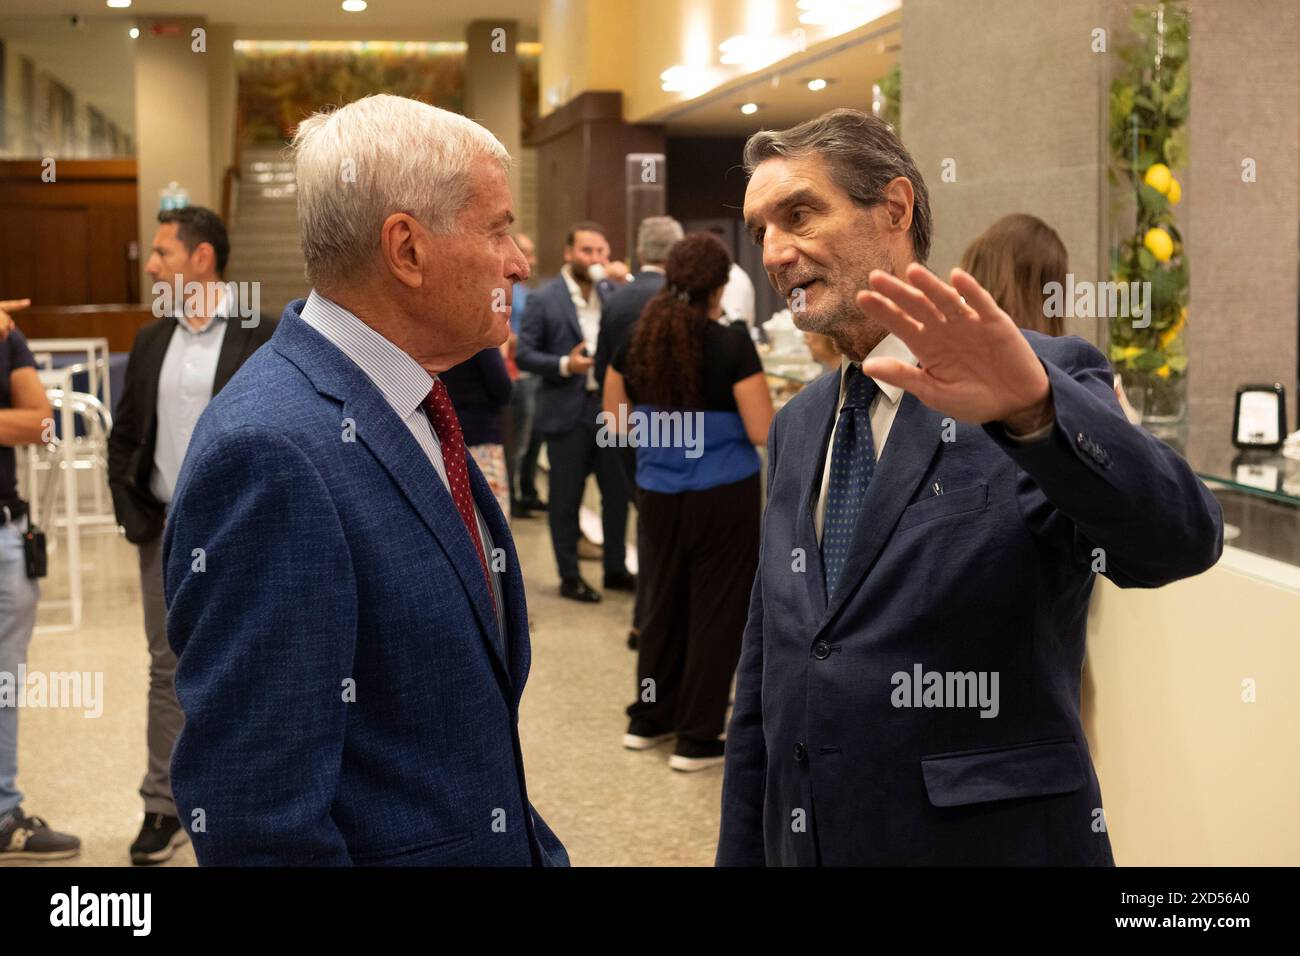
729 356
14 354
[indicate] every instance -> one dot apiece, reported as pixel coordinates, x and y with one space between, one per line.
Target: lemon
1163 371
1130 352
1159 244
1175 192
1159 177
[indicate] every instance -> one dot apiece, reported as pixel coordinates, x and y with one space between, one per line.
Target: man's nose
517 268
779 253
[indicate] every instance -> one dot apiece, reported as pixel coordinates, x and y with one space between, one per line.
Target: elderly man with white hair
344 596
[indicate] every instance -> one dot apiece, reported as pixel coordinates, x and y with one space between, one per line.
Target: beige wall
1245 102
222 103
1011 91
492 87
172 123
1192 775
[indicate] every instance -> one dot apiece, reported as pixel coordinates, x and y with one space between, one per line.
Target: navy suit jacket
345 695
993 574
619 315
548 331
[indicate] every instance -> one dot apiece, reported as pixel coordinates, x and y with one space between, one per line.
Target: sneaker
692 755
642 736
30 838
159 837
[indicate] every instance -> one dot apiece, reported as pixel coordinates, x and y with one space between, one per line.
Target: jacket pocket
1034 769
961 501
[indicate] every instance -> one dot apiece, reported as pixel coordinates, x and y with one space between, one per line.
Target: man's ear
898 200
204 258
403 249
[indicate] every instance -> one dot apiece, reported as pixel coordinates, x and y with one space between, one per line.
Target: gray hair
377 156
864 156
655 236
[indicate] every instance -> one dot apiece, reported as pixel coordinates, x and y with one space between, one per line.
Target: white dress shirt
185 382
405 385
884 408
588 318
738 296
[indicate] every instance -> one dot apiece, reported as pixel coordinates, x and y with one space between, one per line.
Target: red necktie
447 427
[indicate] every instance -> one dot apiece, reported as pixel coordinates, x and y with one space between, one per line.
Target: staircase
264 239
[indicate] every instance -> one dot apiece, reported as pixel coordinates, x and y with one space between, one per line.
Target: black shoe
620 581
533 503
159 837
691 755
633 638
30 838
576 589
519 510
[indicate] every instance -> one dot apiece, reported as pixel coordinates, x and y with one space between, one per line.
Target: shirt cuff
564 365
1038 434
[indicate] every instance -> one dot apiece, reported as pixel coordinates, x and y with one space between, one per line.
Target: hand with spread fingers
975 365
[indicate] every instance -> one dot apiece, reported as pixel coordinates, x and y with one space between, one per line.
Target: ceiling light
354 6
684 79
844 14
749 109
119 4
134 33
755 51
817 84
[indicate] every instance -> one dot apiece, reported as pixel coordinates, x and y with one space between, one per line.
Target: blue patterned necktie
853 459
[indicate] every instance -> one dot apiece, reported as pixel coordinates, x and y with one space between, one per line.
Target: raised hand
7 322
975 364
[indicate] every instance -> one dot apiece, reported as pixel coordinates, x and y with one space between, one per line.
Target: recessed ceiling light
134 33
354 6
749 109
817 84
119 4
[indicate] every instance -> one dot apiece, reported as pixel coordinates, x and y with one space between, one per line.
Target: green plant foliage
1148 106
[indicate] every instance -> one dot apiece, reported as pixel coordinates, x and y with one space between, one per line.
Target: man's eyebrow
800 197
506 218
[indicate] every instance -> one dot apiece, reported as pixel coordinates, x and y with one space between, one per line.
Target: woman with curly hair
699 403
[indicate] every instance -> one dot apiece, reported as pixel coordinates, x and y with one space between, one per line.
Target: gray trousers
165 715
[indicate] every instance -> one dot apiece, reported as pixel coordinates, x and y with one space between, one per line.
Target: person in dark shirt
479 390
24 415
699 406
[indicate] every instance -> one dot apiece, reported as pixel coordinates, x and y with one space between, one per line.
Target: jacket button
821 650
800 752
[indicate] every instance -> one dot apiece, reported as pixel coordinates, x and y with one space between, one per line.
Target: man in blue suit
343 593
557 340
908 689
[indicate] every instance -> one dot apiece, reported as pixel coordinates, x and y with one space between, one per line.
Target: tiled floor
609 806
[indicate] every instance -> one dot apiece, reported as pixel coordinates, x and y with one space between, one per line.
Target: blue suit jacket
823 764
345 696
548 331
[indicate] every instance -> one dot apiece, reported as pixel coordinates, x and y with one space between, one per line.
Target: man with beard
908 688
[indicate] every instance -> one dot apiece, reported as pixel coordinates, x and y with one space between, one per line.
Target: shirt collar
222 312
403 382
648 267
891 346
575 292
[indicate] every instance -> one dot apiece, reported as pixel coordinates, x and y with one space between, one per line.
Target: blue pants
18 595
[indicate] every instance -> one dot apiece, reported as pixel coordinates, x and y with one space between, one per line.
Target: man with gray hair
940 506
344 596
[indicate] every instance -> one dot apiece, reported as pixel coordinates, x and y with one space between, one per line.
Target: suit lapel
570 310
913 440
511 579
814 447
